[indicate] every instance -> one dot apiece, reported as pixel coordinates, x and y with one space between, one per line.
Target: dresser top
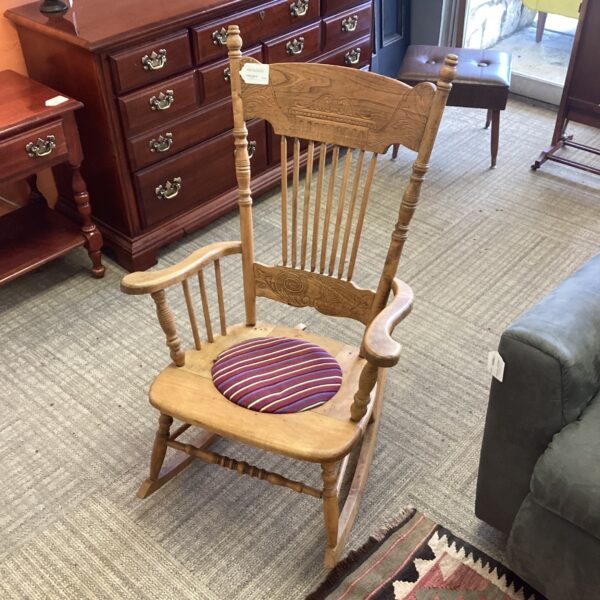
25 102
94 24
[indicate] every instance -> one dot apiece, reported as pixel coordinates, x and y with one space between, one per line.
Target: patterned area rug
416 559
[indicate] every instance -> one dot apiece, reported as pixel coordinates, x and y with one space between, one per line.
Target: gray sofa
539 472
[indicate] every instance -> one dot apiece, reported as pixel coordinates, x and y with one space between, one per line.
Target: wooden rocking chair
347 113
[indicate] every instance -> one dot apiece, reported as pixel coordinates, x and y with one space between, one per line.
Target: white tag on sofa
495 365
255 73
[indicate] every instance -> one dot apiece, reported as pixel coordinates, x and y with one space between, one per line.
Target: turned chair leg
495 135
330 508
488 118
541 24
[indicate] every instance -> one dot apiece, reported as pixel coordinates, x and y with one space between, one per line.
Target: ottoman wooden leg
488 118
495 135
541 24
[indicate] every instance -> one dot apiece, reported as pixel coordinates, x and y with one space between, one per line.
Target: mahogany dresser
156 123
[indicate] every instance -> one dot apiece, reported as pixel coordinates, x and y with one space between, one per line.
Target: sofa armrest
552 356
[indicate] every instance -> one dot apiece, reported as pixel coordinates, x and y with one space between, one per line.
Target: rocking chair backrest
356 115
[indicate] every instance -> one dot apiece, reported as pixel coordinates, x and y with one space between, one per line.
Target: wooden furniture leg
89 230
541 24
488 118
330 506
495 135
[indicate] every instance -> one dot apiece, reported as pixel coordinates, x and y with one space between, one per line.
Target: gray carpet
77 357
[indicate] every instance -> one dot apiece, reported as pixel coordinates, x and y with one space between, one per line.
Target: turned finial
234 40
448 72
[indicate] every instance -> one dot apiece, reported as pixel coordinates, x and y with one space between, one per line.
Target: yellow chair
565 8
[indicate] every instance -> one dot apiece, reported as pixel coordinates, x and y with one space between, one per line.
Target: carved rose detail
328 295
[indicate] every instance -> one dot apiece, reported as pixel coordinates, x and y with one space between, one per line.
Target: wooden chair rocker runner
350 114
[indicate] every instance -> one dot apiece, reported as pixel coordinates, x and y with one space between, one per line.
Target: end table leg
89 230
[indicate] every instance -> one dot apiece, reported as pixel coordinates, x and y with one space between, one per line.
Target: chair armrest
378 345
147 282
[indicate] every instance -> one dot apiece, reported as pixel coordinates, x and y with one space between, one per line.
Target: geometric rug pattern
416 559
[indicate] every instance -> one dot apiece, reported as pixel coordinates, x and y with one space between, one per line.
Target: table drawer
156 145
32 150
297 46
255 25
195 176
150 62
214 78
333 6
356 55
341 29
154 106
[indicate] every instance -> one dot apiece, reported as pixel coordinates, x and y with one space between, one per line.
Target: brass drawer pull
163 101
352 56
251 149
219 37
162 144
295 46
156 60
169 190
299 8
227 74
41 147
350 23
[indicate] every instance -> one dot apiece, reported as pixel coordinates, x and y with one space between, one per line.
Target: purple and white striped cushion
277 374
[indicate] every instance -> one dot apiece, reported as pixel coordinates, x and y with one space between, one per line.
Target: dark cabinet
156 126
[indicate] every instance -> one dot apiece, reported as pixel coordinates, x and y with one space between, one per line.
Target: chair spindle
205 310
219 284
340 211
330 190
167 323
305 216
319 192
284 207
191 313
295 184
361 214
350 216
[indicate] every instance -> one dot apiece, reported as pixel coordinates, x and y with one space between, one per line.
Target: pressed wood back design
353 116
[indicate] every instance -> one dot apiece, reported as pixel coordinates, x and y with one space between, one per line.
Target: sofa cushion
566 479
565 325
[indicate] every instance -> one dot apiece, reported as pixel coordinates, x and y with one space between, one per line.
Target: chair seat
322 434
482 76
277 374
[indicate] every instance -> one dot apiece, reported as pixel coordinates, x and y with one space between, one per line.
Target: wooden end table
35 136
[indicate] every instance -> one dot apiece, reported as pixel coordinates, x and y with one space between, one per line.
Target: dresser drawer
298 46
357 55
214 78
156 105
34 149
255 25
333 6
195 176
148 63
341 29
161 143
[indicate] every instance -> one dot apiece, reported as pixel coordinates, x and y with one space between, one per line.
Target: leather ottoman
482 80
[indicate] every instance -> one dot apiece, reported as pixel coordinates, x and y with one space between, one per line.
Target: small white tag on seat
495 365
255 73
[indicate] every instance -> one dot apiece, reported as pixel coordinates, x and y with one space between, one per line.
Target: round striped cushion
277 374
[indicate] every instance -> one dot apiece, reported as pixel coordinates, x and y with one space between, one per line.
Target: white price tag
255 73
495 365
56 101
